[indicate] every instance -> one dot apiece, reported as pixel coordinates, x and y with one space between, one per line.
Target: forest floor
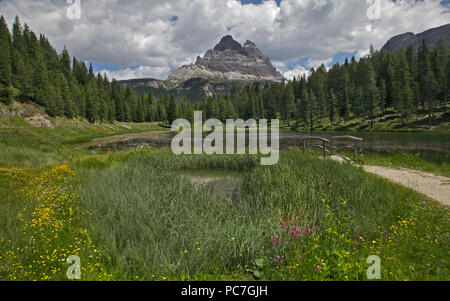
387 122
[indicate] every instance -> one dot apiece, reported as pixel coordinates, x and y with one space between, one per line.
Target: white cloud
317 63
289 73
140 72
296 72
141 33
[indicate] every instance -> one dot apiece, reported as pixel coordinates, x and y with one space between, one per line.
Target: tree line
32 70
404 82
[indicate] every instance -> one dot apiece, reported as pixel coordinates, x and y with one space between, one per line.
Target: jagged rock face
230 61
228 43
431 37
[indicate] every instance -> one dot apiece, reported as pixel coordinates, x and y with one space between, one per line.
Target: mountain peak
229 61
228 43
249 43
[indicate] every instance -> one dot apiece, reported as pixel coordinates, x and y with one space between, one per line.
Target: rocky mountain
228 64
230 61
431 36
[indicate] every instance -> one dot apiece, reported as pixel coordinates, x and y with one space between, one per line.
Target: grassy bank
434 162
37 147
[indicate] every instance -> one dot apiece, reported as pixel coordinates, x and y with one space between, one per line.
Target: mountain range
228 64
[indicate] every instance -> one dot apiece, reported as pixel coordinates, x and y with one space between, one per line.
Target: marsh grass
152 223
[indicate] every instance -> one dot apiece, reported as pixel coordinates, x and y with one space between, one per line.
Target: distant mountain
230 61
228 64
431 37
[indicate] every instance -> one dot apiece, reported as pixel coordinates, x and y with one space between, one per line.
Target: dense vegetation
405 83
32 70
136 216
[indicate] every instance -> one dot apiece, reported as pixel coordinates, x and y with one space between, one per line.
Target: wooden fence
333 144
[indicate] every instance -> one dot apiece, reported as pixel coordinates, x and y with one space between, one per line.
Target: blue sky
257 2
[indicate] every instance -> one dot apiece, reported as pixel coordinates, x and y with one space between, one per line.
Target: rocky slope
228 64
230 61
431 37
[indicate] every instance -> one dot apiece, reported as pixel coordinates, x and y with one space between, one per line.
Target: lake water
383 140
226 183
432 145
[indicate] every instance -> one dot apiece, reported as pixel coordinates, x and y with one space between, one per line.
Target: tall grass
299 182
154 224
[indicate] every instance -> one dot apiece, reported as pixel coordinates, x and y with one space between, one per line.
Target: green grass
432 162
145 218
140 219
39 147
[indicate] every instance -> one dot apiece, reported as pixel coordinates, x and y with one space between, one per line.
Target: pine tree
427 81
92 104
383 94
344 94
287 104
172 113
162 114
5 61
65 64
66 97
331 106
423 62
311 103
372 94
40 82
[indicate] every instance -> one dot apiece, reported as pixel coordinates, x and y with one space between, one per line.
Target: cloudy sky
151 38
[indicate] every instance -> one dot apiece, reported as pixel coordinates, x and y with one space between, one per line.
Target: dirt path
436 187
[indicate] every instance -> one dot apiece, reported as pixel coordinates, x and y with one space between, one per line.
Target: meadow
132 215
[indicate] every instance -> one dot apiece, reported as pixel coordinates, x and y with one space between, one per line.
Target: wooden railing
330 145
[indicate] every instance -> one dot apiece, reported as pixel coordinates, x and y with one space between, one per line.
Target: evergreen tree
5 61
372 94
172 113
331 106
162 114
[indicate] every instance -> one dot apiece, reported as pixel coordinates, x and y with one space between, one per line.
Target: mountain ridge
431 37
